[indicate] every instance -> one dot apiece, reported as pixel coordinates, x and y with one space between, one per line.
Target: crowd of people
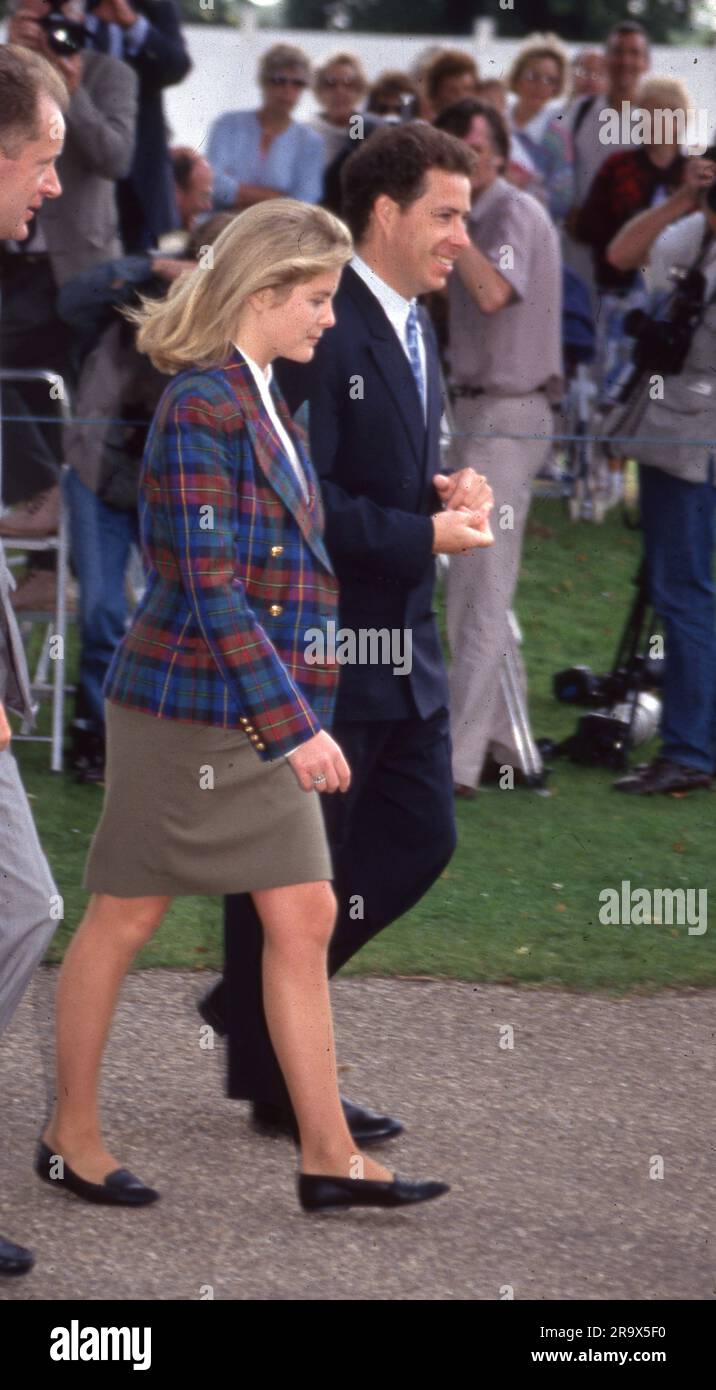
130 206
405 249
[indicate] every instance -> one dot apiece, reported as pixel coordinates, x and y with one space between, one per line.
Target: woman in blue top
541 144
266 154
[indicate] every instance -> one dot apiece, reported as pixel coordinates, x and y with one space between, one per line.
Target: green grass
520 900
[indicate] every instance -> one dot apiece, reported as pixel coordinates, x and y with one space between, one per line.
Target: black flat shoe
119 1189
365 1125
14 1259
211 1009
319 1193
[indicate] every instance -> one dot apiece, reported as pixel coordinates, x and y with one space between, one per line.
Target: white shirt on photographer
679 245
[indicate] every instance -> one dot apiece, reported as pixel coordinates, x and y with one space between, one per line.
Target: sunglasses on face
340 82
282 81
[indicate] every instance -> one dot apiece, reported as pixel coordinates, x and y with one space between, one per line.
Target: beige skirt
192 809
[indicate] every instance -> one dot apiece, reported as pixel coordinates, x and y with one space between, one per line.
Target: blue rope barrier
468 434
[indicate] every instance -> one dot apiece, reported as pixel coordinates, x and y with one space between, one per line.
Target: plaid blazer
237 570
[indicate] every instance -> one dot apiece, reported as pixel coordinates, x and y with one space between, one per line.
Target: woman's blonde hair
540 46
665 92
274 245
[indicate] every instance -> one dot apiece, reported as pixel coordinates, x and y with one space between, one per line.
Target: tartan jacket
237 570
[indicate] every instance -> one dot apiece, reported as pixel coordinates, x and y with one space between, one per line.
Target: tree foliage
576 20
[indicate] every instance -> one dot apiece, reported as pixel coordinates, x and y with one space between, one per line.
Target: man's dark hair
24 77
388 86
457 119
395 162
628 26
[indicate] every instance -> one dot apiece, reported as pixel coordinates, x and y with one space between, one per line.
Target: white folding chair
55 621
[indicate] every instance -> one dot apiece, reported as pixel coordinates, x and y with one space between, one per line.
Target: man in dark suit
147 35
373 390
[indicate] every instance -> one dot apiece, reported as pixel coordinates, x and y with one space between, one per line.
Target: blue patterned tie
411 333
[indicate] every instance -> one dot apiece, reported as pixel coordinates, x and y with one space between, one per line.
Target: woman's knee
300 916
133 920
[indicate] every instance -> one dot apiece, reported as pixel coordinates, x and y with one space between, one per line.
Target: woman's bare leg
297 925
95 964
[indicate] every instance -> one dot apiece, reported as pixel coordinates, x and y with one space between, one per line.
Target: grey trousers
26 891
481 584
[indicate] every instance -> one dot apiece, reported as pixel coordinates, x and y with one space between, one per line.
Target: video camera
630 711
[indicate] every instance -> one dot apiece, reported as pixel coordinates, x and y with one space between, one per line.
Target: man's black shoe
211 1009
14 1259
365 1126
663 776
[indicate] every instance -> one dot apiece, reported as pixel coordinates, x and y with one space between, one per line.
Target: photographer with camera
671 416
147 35
71 234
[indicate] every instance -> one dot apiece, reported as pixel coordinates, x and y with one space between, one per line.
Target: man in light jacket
32 99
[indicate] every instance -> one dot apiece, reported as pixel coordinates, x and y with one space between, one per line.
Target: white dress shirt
396 310
263 381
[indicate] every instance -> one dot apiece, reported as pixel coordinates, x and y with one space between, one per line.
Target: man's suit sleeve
102 125
161 59
88 301
198 473
383 542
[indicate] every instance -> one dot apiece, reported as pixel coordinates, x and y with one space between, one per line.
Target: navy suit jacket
376 458
162 62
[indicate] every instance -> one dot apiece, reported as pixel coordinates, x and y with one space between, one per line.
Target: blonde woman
541 147
215 717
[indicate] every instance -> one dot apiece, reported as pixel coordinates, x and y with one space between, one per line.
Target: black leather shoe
14 1259
365 1125
319 1193
119 1189
662 776
211 1009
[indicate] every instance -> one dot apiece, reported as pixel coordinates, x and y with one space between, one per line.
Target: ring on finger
321 777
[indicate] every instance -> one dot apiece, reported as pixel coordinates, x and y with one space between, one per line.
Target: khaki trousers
481 584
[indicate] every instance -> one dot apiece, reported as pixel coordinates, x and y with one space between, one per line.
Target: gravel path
547 1145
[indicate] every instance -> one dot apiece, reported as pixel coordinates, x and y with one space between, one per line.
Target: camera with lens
662 344
65 36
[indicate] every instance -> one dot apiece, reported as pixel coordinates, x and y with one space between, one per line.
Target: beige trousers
481 584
